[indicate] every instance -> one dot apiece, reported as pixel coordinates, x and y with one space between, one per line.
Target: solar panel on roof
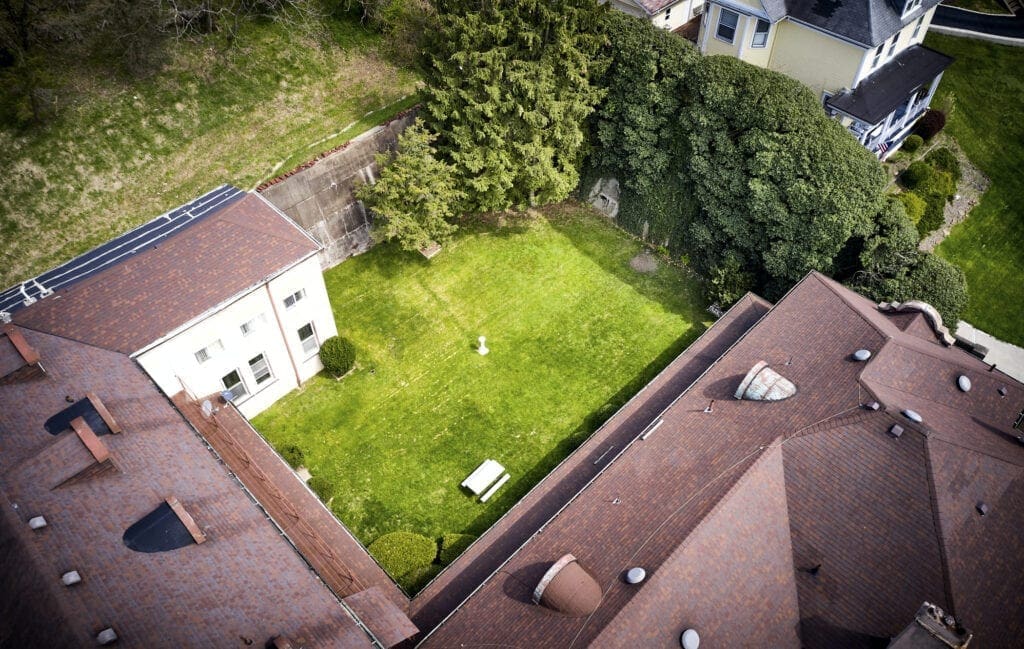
118 249
61 422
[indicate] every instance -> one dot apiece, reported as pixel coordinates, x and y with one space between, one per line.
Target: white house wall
173 364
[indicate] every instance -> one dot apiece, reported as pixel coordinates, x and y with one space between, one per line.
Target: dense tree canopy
508 88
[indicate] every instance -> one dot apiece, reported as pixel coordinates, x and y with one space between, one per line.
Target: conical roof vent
568 589
762 383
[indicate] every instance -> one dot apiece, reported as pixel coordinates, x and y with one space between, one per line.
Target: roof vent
912 416
37 522
106 636
963 383
982 508
872 405
1002 391
861 355
896 431
568 589
635 575
71 578
762 383
690 639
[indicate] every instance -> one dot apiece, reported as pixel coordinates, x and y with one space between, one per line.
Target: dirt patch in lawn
644 263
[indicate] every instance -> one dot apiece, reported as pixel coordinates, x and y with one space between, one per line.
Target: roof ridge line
933 501
827 283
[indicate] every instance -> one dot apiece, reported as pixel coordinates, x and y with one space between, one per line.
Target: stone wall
319 195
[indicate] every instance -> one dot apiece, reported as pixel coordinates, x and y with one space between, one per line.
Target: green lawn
126 151
985 87
573 332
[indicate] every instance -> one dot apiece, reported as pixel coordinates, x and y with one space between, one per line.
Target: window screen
308 339
761 33
260 369
233 383
727 21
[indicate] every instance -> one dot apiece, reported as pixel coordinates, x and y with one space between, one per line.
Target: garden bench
483 476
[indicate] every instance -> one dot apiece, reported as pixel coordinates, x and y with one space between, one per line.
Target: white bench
483 476
497 485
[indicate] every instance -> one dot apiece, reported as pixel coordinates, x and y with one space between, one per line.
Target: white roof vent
963 383
37 522
690 639
106 636
896 431
912 416
635 575
762 383
861 355
71 578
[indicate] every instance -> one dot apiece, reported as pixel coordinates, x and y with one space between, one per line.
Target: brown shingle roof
245 583
151 293
867 544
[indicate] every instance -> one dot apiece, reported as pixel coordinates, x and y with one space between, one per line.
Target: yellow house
863 58
682 16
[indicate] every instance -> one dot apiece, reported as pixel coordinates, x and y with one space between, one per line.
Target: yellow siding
759 56
714 45
819 61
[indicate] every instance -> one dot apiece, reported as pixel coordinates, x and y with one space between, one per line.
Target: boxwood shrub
914 206
944 159
915 174
912 143
322 487
454 544
338 355
405 556
293 455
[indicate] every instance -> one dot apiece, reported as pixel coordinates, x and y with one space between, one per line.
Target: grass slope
985 88
126 152
573 332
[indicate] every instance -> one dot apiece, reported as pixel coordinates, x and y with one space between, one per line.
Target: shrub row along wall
319 195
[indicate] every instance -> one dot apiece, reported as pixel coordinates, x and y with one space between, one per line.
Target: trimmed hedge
944 159
912 143
293 455
914 206
338 355
454 544
322 487
916 174
405 556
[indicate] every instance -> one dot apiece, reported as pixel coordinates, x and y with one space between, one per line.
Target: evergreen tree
509 87
414 200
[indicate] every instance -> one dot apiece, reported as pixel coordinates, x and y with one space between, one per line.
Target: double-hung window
250 326
294 298
892 46
878 56
917 27
761 33
232 382
308 339
727 21
260 369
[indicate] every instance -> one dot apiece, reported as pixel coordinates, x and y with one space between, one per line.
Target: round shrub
338 355
930 124
404 555
944 159
293 455
322 487
912 143
914 206
934 214
916 174
454 544
414 580
939 183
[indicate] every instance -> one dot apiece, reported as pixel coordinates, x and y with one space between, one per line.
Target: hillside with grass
124 150
984 88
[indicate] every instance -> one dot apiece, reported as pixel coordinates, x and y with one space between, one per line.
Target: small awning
881 93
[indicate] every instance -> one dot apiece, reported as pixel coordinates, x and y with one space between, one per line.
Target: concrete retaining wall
319 195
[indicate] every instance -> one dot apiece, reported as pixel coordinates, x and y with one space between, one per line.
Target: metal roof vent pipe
762 383
71 578
912 415
861 355
37 522
635 575
964 383
690 639
106 636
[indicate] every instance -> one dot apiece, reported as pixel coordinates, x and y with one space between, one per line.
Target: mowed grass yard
573 332
985 88
125 151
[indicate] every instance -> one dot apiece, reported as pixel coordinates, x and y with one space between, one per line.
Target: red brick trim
186 519
92 442
27 352
105 415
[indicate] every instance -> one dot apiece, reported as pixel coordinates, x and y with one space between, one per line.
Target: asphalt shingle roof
866 22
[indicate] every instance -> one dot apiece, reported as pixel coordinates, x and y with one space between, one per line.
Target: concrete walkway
1008 30
1006 357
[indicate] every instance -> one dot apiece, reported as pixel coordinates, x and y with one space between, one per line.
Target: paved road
1006 26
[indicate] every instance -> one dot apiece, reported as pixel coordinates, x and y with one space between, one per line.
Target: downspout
280 327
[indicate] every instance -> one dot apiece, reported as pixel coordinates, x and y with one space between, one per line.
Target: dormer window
168 527
910 6
892 46
878 56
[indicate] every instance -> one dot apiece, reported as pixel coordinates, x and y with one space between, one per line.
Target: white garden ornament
483 346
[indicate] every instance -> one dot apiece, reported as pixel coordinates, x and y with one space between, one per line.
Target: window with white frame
668 13
761 33
727 21
917 27
307 336
892 46
252 325
232 382
294 298
260 369
878 55
208 352
910 6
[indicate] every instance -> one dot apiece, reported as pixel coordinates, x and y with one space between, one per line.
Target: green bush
322 487
943 159
293 455
338 355
912 143
933 216
405 556
414 580
930 124
916 174
454 544
914 206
